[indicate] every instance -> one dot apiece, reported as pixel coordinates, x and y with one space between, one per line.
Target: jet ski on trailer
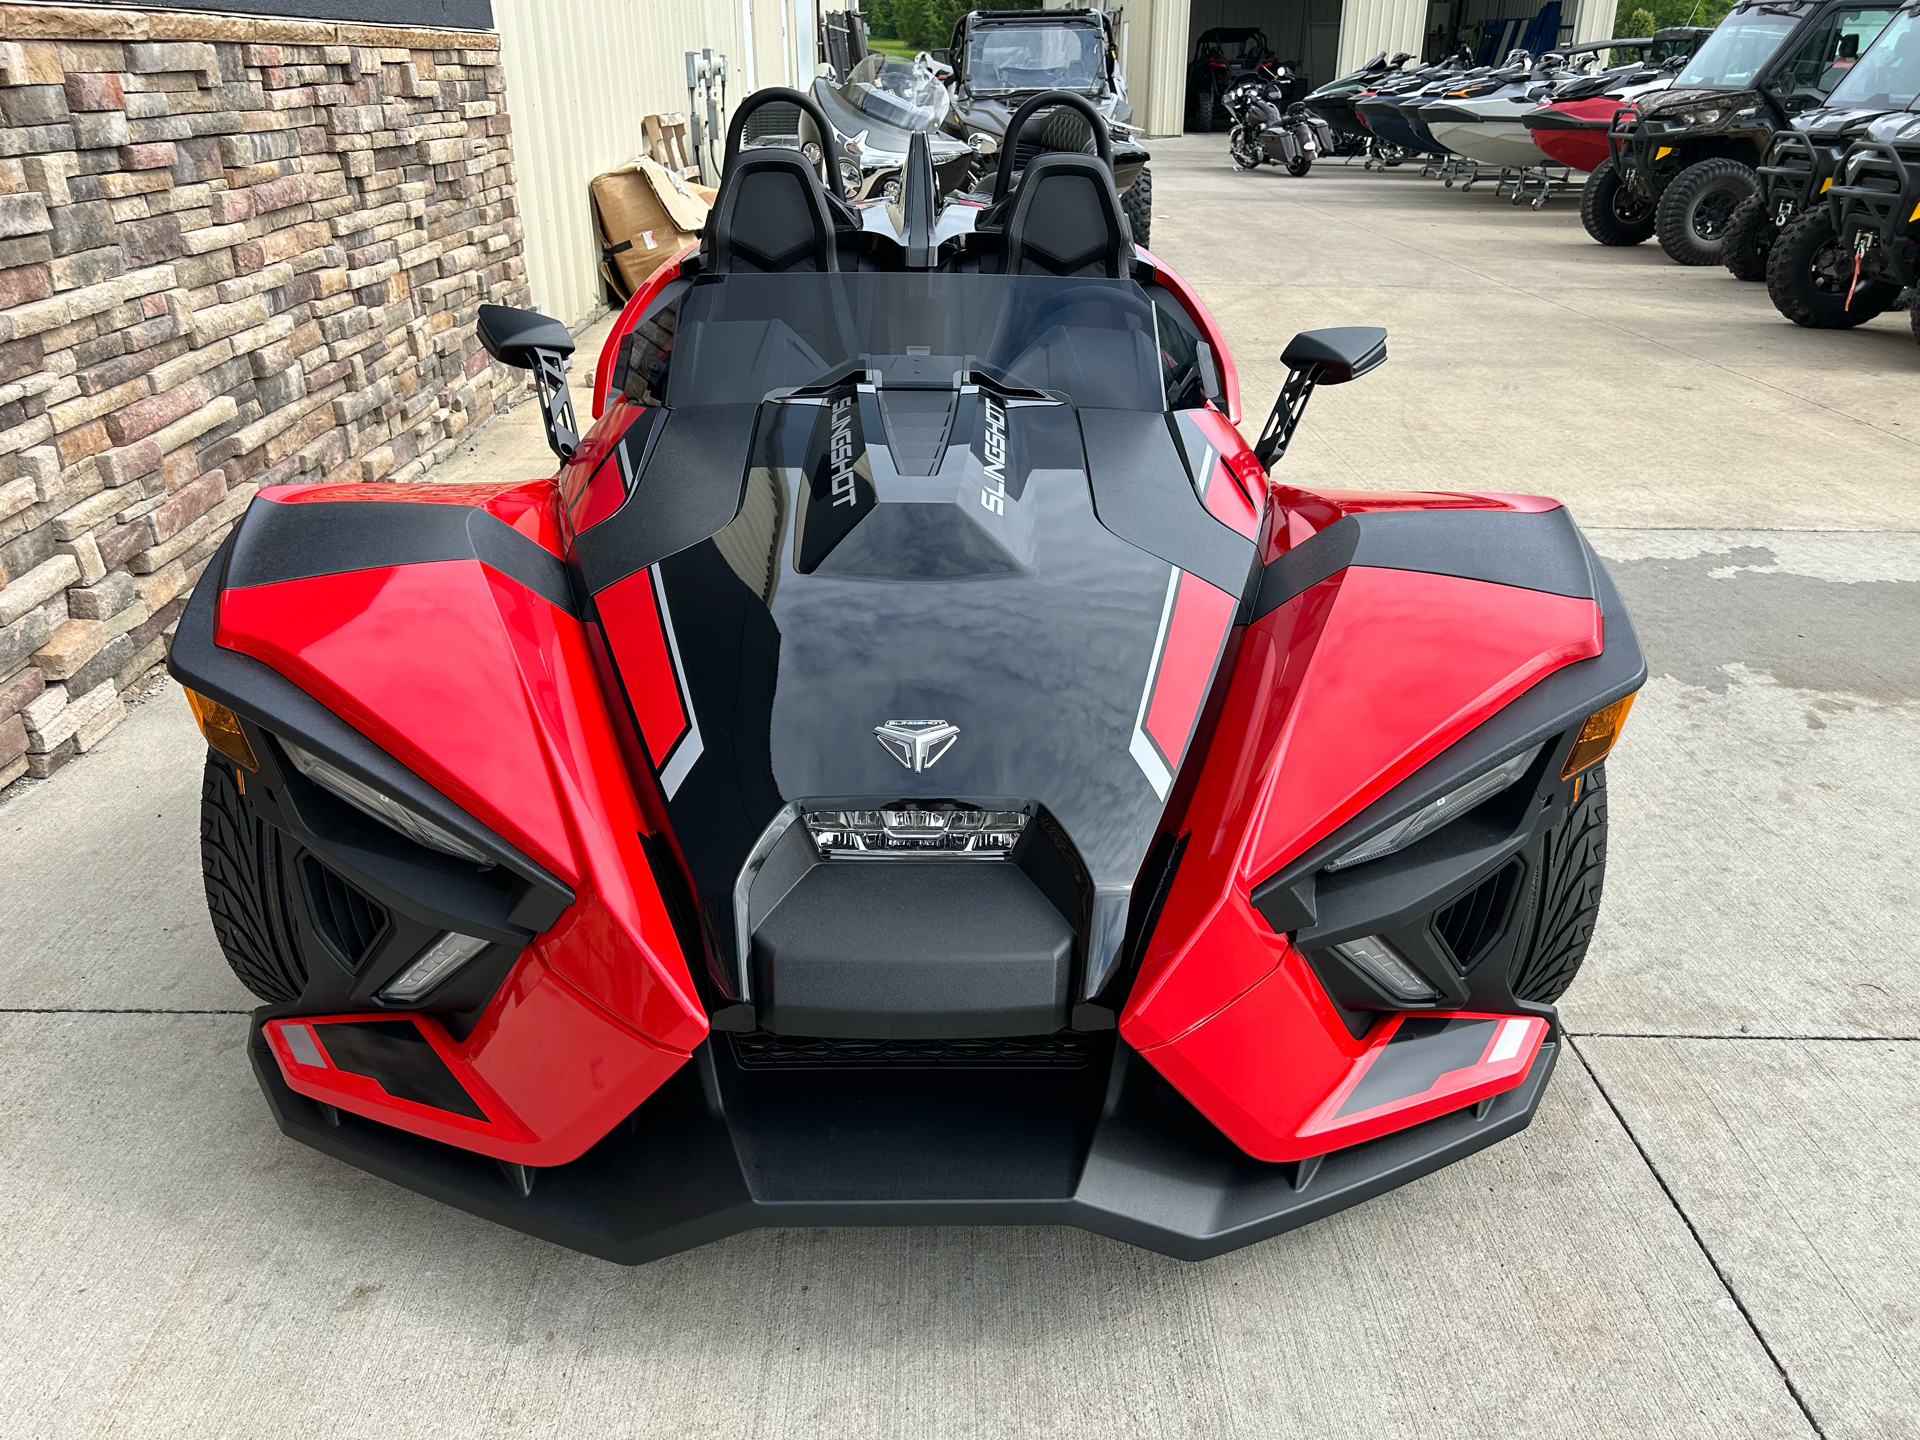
910 765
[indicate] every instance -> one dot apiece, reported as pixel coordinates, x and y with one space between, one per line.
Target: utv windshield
903 94
1735 52
1887 76
1002 58
736 339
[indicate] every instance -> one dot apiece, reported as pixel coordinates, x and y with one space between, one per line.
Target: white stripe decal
690 748
1513 1034
1145 753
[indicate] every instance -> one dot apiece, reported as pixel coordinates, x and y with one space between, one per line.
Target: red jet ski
1573 129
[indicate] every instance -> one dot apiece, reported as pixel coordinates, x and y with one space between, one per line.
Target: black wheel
1809 271
1137 205
1300 164
1572 868
1243 155
243 860
1913 316
1204 111
1613 214
1696 210
1750 235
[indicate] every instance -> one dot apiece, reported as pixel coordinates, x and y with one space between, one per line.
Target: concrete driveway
1710 1229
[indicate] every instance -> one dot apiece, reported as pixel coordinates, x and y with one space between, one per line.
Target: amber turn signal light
222 729
1596 738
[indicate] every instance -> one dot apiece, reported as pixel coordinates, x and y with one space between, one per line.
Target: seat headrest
1067 221
771 216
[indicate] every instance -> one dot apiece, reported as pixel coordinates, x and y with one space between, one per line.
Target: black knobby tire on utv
1750 235
1137 205
250 888
1808 272
1613 214
1913 315
1205 112
1572 867
1696 210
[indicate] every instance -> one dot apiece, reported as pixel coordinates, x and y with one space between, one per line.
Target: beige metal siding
580 75
1369 26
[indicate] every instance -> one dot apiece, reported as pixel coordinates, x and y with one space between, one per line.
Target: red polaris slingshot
910 766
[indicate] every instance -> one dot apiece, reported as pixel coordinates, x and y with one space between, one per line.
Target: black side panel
695 477
1540 551
303 539
397 1055
1141 493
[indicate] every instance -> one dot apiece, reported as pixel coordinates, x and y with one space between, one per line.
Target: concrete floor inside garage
1710 1229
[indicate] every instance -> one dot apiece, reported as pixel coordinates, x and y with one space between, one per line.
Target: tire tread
243 862
1574 865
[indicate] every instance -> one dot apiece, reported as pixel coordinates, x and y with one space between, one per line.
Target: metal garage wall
580 75
1369 26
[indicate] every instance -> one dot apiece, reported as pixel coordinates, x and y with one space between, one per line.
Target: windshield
1734 53
1034 57
1887 77
735 339
906 95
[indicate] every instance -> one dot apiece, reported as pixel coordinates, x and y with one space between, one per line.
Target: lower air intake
761 1051
1470 925
350 922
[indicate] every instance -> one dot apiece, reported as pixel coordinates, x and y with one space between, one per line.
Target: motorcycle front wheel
1245 156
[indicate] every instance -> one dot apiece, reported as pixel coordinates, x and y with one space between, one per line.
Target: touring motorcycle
911 764
1267 130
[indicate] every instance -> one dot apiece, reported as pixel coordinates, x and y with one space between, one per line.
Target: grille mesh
761 1051
349 921
1471 924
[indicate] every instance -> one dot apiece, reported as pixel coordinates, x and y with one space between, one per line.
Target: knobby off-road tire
1696 210
1808 272
1913 315
1205 113
1612 214
1750 235
1137 205
1573 865
249 890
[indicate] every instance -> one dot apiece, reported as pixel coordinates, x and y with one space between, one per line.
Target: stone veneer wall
233 253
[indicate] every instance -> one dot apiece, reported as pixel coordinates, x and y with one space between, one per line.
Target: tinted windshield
906 95
738 338
1735 52
1034 57
1887 77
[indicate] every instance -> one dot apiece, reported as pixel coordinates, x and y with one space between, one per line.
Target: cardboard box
645 215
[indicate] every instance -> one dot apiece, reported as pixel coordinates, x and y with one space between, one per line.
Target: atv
1804 159
911 764
1002 57
1682 161
1222 59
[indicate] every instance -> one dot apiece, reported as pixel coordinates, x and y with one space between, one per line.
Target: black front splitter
1112 1149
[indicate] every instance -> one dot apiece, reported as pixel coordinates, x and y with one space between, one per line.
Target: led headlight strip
388 811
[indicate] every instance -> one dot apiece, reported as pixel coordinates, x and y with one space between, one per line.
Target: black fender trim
300 540
1141 493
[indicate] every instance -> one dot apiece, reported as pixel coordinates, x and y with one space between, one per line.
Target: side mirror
528 340
1317 357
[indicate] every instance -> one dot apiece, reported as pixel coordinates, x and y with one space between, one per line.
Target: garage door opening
1227 38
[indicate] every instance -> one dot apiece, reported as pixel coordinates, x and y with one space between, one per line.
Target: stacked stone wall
233 253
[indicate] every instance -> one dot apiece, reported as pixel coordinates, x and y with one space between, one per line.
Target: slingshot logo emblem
840 454
993 446
916 744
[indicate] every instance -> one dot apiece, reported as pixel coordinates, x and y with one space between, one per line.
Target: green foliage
882 23
927 24
1643 17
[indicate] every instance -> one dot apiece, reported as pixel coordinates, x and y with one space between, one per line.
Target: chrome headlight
1430 818
388 811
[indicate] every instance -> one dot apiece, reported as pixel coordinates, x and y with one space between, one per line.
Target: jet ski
1333 102
1382 110
1571 127
1481 119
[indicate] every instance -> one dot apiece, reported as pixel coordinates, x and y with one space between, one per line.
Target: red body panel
1584 145
630 314
1202 317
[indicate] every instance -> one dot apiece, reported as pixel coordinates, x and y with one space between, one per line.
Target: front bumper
1109 1147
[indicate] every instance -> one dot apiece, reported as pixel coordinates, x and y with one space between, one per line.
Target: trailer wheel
1696 210
1137 206
1808 272
1750 235
1613 214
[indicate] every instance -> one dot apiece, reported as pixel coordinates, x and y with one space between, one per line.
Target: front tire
1243 155
1137 206
1612 214
1205 113
1750 235
244 863
1696 211
1808 273
1573 867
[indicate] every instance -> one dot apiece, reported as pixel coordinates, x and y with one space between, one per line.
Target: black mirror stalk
528 340
1316 357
